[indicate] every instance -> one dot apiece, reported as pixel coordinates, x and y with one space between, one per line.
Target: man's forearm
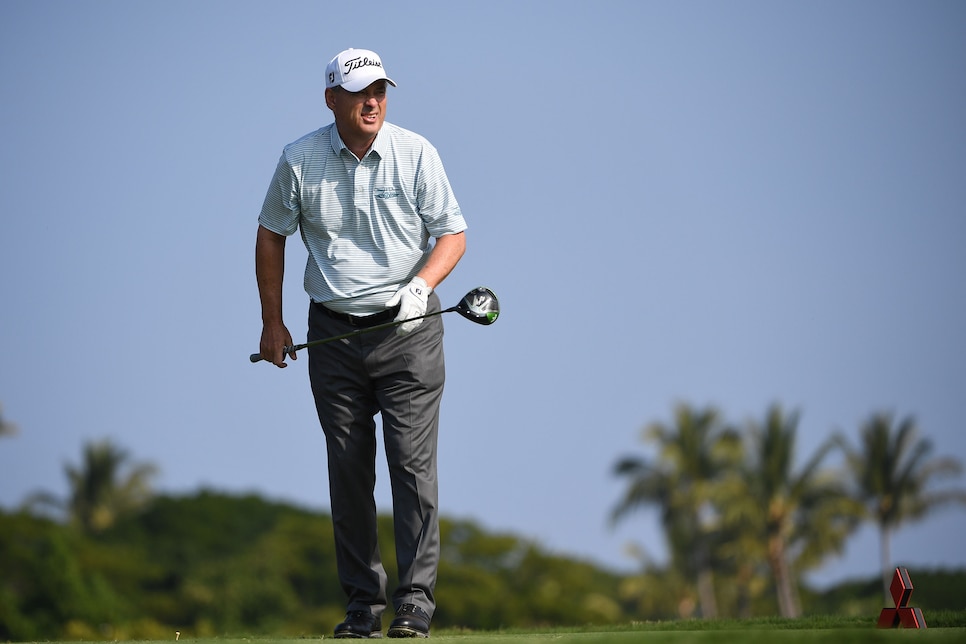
269 272
446 254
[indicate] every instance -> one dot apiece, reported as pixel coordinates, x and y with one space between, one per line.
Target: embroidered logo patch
386 193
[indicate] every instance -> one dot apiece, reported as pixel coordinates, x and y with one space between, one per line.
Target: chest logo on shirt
386 193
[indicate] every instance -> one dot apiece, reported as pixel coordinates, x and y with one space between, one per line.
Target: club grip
257 357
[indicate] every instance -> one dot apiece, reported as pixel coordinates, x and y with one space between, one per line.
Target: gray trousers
401 378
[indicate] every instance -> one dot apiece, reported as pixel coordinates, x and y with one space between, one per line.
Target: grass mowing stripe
715 636
945 627
730 636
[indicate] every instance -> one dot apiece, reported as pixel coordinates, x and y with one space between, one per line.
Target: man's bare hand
272 346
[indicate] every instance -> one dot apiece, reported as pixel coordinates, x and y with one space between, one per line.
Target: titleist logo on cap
355 69
360 61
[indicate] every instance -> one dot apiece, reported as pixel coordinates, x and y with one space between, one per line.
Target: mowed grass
950 627
730 636
946 626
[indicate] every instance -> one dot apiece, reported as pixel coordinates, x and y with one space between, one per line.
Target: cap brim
357 85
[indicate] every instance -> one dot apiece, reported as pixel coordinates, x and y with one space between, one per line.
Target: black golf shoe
410 621
359 624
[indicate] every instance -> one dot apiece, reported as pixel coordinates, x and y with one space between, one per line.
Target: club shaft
256 357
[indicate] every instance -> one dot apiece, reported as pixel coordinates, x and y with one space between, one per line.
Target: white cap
355 70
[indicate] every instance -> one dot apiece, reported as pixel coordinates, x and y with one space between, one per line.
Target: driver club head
479 305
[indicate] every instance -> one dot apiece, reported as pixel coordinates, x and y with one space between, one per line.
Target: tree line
736 507
112 560
212 564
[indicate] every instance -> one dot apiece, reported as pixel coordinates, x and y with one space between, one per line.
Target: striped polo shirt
366 224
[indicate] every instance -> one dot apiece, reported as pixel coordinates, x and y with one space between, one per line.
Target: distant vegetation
743 521
114 561
212 564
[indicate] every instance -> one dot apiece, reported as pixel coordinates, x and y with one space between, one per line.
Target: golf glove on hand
412 303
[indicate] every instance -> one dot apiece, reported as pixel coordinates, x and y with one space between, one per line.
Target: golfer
382 228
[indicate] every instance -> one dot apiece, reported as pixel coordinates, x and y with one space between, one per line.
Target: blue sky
717 203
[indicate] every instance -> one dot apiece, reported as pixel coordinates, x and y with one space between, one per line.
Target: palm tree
792 519
101 488
692 454
893 478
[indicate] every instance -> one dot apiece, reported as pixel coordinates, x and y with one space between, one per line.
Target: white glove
412 303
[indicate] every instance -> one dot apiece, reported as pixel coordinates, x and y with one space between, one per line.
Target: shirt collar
380 145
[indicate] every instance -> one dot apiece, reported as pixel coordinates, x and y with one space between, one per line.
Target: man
368 197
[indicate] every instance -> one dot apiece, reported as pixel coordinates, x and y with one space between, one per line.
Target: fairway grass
728 636
945 627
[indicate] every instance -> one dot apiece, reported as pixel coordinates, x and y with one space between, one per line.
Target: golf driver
479 305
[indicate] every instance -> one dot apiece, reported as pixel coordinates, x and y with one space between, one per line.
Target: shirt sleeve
436 202
281 209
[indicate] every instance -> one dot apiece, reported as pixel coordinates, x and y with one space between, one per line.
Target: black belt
359 320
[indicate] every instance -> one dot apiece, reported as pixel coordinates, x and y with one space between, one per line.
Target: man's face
358 115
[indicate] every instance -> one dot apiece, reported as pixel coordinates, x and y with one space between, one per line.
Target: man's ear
330 98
